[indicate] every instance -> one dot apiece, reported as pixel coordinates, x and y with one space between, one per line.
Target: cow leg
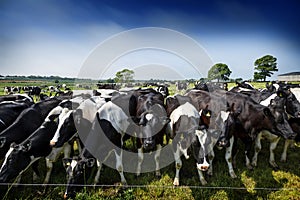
49 165
248 144
228 158
97 176
35 172
201 177
211 156
273 146
156 158
52 157
178 164
119 166
140 161
257 149
285 148
67 148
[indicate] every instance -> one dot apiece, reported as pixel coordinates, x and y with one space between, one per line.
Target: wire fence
150 186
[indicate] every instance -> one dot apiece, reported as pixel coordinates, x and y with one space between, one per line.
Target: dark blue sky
54 37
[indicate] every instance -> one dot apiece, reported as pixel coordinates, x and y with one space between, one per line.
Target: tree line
264 67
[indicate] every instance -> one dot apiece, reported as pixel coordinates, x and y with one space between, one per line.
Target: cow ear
90 162
2 141
13 145
267 112
280 93
53 117
66 162
272 102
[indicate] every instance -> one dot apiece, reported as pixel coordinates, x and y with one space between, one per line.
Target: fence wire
149 186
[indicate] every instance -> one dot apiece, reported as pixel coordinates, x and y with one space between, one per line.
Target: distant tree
56 81
265 66
124 76
238 80
110 80
219 71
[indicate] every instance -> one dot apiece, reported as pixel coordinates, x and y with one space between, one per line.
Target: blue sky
56 37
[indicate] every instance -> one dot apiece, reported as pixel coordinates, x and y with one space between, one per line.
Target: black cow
20 156
10 110
27 122
251 119
277 108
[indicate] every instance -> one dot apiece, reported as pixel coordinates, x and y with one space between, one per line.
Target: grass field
261 183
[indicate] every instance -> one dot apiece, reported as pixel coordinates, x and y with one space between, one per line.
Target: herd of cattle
207 116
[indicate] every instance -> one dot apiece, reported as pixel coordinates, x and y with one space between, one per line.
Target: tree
265 66
219 71
124 76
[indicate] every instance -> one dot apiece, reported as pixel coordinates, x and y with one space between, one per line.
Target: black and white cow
184 128
26 123
64 111
15 97
20 156
152 119
78 170
107 131
222 120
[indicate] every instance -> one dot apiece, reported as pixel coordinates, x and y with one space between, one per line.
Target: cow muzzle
52 143
223 143
69 195
149 144
203 167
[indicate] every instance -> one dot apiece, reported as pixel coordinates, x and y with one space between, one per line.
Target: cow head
281 119
151 124
16 160
66 129
76 173
229 119
202 146
292 105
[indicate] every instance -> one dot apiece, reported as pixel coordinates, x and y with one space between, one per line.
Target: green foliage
219 71
265 67
124 76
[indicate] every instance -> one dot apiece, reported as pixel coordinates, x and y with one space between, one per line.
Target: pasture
260 183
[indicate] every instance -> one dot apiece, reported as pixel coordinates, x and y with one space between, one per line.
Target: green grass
261 183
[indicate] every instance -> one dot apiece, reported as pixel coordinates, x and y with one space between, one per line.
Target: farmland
261 183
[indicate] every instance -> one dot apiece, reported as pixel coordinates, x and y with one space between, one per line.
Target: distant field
261 183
